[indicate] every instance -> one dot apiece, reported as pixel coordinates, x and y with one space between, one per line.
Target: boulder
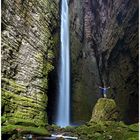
105 110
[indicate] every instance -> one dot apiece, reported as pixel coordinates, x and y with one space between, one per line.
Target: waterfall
63 110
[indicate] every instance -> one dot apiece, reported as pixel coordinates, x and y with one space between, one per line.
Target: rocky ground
106 130
102 126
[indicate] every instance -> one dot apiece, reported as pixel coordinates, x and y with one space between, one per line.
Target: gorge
103 49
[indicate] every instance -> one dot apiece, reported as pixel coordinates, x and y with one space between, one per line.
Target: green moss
54 127
104 110
106 130
35 122
11 129
47 67
21 100
50 54
56 39
101 131
32 112
26 113
3 119
7 106
50 67
16 86
20 111
19 121
69 128
26 120
39 56
134 127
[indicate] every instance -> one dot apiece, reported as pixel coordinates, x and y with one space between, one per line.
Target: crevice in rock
52 96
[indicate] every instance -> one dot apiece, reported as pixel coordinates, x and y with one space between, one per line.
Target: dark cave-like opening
53 85
52 96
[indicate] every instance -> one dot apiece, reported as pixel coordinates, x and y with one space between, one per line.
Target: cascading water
63 110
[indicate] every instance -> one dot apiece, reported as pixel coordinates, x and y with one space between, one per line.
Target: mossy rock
134 127
13 129
16 87
102 130
106 130
105 110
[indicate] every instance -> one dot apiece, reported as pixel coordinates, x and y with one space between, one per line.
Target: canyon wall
30 38
104 49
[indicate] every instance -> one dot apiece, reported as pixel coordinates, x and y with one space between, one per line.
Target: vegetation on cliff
29 39
104 48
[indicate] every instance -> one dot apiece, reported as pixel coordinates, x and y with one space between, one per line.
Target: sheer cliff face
29 38
104 49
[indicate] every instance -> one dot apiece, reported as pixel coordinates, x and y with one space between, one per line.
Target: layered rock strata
30 36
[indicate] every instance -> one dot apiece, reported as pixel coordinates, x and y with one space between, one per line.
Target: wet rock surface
84 68
103 130
104 49
30 35
105 110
